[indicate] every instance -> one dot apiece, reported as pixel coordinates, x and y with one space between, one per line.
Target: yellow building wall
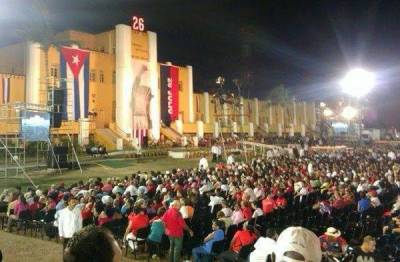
17 88
102 95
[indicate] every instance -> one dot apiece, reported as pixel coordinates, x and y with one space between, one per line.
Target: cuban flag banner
5 90
74 72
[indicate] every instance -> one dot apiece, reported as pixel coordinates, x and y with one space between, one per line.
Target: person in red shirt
34 207
246 210
240 239
174 227
268 204
281 201
138 219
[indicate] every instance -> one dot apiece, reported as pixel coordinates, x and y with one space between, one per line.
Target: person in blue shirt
216 235
364 203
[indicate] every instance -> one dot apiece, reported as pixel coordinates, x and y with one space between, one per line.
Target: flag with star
74 73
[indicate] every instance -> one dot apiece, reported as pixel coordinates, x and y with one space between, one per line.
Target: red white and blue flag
5 90
74 67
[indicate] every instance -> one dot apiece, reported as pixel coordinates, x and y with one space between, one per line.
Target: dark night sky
305 45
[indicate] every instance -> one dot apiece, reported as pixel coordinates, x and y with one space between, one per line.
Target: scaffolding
16 154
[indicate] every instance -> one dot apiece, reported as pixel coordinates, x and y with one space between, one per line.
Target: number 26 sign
137 23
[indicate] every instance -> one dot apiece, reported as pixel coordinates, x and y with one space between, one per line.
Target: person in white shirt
264 247
203 163
69 220
230 160
214 152
132 189
226 209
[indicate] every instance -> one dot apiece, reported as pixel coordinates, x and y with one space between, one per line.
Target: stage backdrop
169 94
35 125
74 69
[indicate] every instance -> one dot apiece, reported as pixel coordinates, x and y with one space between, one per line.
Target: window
114 77
54 71
101 76
92 75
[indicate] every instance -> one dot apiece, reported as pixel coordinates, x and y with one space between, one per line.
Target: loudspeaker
56 116
55 120
61 154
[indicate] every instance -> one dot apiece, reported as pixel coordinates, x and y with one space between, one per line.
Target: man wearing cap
298 244
69 220
332 242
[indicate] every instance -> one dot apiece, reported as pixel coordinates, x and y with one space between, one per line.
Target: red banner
169 76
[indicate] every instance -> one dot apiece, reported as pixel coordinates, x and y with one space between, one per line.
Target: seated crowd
282 208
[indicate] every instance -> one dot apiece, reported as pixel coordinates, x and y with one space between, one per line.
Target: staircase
106 137
171 134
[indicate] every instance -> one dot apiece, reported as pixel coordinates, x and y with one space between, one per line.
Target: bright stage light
349 112
358 82
328 112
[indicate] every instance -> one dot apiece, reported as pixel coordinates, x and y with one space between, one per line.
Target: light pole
357 83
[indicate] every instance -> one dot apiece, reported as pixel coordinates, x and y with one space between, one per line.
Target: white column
279 129
225 111
234 127
256 113
282 116
294 113
179 126
32 73
206 107
266 127
190 93
124 77
83 137
153 81
270 114
251 129
241 110
200 129
313 117
291 130
216 130
305 113
303 130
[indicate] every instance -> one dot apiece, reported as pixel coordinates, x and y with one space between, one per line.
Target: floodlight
328 112
349 112
358 82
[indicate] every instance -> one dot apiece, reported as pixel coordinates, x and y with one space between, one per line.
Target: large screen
35 125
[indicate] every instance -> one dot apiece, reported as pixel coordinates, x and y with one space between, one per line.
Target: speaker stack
61 154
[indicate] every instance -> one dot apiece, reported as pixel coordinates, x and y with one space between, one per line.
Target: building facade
123 96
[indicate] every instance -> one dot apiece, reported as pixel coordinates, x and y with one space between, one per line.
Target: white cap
298 241
107 200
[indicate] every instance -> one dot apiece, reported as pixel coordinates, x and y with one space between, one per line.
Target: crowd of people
281 207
